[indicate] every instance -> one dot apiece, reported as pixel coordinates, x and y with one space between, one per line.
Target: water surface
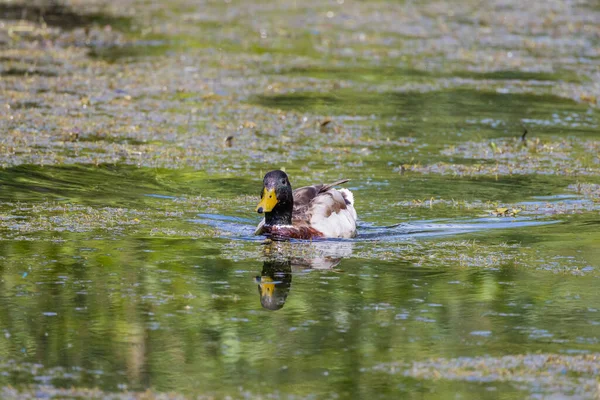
127 256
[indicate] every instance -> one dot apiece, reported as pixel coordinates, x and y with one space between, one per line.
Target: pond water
128 263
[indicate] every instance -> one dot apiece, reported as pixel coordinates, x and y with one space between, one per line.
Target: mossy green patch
399 75
437 104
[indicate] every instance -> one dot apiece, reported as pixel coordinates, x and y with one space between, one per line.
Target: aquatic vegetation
133 136
535 371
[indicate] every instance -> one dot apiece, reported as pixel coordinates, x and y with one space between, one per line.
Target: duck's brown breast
292 232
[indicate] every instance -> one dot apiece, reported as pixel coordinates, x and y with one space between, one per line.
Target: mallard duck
318 211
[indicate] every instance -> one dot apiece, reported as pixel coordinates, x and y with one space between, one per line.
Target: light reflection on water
241 228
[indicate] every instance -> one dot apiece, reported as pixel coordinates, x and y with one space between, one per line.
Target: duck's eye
283 181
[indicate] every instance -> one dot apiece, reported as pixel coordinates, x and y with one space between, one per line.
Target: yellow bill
268 201
267 287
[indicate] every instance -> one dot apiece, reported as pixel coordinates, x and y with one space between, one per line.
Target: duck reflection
274 283
283 258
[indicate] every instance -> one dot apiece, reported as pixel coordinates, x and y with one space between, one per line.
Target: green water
128 265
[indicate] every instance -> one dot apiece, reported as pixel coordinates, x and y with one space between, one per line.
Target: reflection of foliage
159 310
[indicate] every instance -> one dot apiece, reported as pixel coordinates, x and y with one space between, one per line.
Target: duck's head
276 194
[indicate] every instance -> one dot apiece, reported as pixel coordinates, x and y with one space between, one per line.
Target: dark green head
277 199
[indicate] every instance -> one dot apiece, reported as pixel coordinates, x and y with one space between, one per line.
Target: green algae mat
134 136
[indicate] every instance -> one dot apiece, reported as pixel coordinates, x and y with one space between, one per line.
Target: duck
310 212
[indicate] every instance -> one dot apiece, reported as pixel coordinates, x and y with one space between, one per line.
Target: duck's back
326 209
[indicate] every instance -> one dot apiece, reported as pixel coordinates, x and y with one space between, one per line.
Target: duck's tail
348 196
330 185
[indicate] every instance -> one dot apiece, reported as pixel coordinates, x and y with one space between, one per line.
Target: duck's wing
326 209
304 196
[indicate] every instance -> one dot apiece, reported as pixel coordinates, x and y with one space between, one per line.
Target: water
127 256
93 302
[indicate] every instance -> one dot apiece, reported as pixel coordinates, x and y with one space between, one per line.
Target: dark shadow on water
130 51
27 104
27 72
56 14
